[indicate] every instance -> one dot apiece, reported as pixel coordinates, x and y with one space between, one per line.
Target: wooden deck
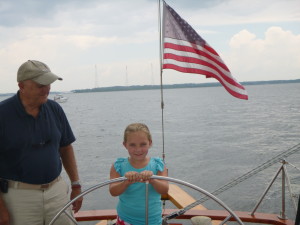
182 199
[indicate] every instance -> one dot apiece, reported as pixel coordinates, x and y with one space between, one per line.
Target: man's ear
21 86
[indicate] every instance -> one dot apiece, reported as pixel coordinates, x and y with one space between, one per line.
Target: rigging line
161 82
293 166
256 170
247 175
161 85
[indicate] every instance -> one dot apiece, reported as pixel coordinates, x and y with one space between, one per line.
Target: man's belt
21 185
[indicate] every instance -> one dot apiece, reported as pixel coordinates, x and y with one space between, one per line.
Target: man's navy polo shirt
29 147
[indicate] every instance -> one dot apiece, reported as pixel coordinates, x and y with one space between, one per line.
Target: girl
138 168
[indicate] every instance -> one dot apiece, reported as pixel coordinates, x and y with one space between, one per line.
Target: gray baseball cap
36 71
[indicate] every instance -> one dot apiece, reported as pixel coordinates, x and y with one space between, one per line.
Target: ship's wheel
167 217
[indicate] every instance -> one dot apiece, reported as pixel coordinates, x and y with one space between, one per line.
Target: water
210 138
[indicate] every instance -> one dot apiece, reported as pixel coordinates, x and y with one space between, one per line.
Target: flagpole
161 82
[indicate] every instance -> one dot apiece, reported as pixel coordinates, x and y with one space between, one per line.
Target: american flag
185 51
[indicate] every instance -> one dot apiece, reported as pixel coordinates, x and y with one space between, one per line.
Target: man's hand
77 204
4 215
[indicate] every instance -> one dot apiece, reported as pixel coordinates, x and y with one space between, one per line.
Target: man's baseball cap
36 71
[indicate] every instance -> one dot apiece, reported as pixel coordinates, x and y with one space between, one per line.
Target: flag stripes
196 56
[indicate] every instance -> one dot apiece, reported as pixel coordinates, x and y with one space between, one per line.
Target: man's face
34 92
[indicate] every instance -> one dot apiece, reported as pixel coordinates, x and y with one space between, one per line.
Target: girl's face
137 145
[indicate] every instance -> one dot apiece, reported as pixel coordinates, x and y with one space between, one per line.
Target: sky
97 43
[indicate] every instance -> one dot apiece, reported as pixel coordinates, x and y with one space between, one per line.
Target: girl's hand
145 175
132 176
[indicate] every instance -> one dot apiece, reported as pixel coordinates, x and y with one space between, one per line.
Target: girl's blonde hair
134 127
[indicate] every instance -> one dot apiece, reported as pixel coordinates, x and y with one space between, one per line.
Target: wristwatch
76 184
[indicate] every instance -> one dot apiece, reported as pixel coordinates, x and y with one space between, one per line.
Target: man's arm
4 216
69 163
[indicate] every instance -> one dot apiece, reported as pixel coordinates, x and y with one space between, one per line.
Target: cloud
72 37
232 12
276 56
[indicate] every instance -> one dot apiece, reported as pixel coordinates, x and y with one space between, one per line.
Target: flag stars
181 26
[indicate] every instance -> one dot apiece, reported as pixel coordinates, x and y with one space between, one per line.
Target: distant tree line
169 86
173 86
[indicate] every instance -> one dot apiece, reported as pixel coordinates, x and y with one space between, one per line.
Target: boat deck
181 199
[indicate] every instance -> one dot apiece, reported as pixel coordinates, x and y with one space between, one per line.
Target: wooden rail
262 218
181 199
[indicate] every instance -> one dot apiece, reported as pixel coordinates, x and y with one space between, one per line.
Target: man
35 141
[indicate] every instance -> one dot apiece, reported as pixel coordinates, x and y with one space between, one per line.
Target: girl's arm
117 188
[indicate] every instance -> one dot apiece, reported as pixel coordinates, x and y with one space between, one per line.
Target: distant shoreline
169 86
173 86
